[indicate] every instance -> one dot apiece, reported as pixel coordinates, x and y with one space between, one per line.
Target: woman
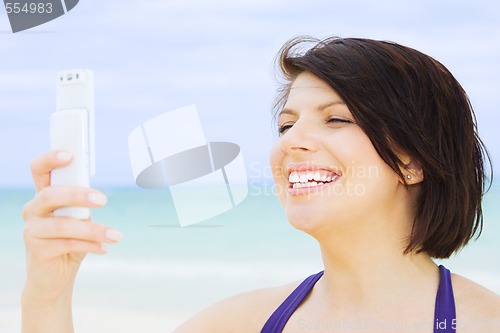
378 159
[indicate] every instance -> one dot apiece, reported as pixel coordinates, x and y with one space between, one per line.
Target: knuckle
45 195
34 229
25 212
32 243
27 232
34 248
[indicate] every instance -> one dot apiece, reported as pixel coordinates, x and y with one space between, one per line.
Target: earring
408 176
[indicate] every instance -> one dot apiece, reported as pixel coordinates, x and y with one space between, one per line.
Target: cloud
152 56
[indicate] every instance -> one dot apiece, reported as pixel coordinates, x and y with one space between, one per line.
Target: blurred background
152 56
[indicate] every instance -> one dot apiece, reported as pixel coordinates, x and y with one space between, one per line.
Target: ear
412 170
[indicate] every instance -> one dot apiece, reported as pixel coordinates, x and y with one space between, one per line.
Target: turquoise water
161 266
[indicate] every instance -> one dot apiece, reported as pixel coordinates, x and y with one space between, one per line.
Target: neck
365 267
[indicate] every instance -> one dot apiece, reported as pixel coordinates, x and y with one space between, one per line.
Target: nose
300 138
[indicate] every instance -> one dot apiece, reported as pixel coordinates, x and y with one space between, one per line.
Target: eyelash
339 120
283 128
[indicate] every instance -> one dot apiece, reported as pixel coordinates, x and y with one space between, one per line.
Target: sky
152 56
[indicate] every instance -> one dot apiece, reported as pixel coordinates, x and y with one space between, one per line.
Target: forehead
310 88
308 91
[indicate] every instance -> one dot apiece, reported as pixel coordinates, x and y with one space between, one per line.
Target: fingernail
63 156
104 248
97 198
114 235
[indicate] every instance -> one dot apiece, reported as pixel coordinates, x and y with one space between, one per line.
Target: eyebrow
320 108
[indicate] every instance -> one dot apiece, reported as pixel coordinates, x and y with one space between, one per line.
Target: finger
68 228
44 249
43 164
53 197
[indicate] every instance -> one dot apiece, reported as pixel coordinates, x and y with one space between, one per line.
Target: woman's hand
56 246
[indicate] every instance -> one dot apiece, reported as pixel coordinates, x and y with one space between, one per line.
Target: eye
339 121
284 127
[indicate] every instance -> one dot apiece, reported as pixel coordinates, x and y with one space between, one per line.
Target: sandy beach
160 275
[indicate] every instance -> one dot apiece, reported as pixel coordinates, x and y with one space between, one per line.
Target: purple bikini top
444 312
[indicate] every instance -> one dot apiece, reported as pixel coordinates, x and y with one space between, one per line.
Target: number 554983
31 8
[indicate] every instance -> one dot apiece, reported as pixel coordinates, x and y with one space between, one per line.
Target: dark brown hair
406 100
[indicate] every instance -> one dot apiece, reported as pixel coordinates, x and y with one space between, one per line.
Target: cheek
360 161
276 159
375 179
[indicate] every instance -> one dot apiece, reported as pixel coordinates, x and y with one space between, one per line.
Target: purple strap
278 319
444 313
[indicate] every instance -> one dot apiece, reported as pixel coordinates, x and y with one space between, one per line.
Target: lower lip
309 190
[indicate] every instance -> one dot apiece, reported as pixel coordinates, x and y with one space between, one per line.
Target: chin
303 220
320 220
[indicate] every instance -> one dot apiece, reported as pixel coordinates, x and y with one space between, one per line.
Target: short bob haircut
406 101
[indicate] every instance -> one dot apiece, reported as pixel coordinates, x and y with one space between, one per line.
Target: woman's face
327 172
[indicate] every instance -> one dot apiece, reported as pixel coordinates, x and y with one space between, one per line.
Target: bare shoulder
478 308
245 312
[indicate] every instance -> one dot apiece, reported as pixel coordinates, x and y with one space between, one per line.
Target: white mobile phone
72 129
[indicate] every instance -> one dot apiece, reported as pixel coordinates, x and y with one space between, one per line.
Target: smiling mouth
311 178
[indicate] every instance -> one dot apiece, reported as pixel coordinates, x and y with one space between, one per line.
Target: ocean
160 273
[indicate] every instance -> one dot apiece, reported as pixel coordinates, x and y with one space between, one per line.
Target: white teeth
303 178
317 176
309 178
302 185
294 177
